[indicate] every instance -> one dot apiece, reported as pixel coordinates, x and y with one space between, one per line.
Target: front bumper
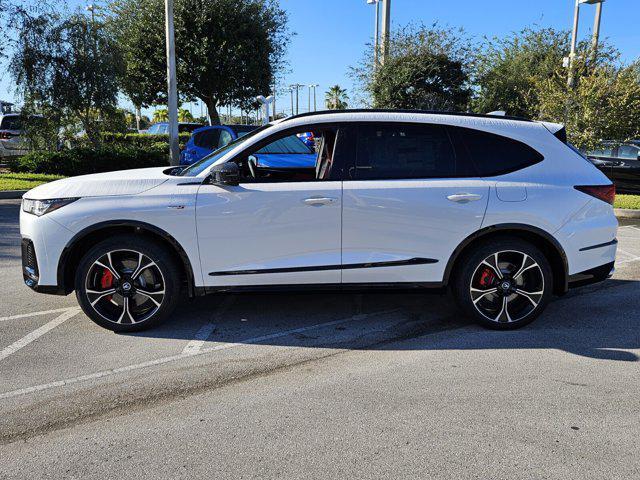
43 241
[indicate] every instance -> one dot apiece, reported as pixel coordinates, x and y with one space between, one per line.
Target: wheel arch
537 236
82 241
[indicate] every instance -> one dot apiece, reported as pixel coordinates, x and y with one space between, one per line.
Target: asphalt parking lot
321 386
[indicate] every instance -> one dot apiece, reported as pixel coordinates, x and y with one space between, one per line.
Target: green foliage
336 98
627 201
604 105
67 69
82 160
508 69
160 115
142 140
138 27
184 115
227 51
425 68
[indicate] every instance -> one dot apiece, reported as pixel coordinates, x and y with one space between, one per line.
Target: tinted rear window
11 123
207 139
494 154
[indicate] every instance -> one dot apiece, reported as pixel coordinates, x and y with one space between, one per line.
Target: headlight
40 207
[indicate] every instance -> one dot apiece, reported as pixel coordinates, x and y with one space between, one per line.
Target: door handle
318 201
464 197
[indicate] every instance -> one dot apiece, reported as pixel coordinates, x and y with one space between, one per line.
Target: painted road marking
173 358
207 329
33 314
199 338
27 339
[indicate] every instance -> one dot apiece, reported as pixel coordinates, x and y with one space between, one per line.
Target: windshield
213 157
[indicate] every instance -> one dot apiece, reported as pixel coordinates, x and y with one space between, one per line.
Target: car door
626 171
266 232
408 201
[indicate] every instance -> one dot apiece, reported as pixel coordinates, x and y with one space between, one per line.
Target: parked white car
11 142
501 211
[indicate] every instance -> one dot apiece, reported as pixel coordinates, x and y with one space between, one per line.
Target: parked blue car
205 140
288 152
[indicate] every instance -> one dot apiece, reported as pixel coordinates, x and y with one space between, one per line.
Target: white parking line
207 329
33 314
199 338
27 339
173 358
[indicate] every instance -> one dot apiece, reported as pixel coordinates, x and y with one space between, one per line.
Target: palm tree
184 115
160 115
336 98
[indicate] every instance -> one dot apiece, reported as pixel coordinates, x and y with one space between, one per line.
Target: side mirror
226 174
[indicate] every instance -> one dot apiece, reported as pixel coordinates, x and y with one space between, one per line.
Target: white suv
500 210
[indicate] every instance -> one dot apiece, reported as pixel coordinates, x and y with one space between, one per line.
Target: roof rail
431 112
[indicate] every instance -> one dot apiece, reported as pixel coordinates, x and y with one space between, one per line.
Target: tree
508 68
138 28
67 68
604 105
184 115
336 98
160 115
226 54
425 68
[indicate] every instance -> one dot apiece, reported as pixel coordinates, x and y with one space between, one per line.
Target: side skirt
422 287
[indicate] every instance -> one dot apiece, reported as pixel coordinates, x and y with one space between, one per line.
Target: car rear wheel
127 283
504 284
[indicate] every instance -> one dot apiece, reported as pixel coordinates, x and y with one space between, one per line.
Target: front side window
284 157
388 151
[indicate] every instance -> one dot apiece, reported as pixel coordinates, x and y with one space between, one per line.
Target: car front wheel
127 283
504 284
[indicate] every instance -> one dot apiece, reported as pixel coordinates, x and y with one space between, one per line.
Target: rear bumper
593 275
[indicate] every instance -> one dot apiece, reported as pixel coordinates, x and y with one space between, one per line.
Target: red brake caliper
487 277
106 281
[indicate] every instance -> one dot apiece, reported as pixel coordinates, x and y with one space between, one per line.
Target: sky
331 35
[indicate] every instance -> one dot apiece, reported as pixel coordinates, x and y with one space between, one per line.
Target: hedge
141 139
80 161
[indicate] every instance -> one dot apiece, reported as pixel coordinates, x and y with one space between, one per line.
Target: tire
113 274
510 297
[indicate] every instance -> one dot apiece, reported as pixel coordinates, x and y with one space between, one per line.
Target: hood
123 182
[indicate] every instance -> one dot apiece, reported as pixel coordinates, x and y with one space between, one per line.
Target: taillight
5 135
606 193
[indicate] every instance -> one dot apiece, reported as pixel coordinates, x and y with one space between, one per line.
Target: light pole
172 104
291 92
315 105
386 28
574 35
376 34
296 87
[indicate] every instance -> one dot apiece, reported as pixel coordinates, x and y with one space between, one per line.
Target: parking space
56 362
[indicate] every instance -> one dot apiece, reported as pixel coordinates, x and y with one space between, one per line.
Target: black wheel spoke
492 262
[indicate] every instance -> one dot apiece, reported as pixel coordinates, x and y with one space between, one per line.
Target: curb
11 194
626 213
